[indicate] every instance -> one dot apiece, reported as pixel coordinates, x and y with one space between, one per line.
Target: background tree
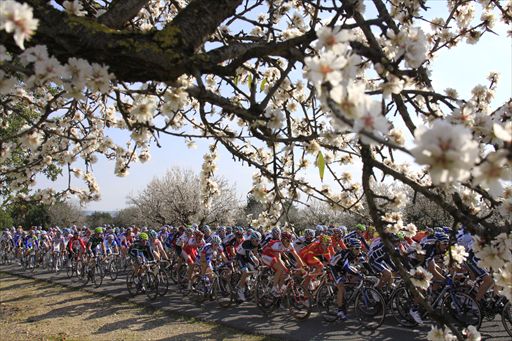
65 214
129 216
98 219
176 198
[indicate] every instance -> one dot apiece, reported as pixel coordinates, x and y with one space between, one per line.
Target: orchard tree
282 85
65 214
177 198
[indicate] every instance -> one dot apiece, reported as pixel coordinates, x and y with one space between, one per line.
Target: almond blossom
420 277
17 18
449 151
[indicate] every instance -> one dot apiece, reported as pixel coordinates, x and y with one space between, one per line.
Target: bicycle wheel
97 275
173 272
150 285
32 263
326 302
401 303
223 292
113 270
299 302
200 290
70 270
163 283
131 284
463 309
182 277
370 307
506 318
264 298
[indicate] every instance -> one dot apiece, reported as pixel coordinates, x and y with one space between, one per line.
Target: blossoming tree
282 85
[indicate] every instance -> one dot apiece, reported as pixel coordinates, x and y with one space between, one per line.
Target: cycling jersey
209 253
75 245
245 255
355 235
341 264
140 252
301 242
379 259
314 253
272 251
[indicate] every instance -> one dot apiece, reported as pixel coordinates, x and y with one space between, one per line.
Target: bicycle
369 305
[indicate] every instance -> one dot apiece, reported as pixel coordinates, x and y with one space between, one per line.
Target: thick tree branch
120 11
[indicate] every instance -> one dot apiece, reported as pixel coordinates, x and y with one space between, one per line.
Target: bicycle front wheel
300 302
370 307
463 309
326 302
150 284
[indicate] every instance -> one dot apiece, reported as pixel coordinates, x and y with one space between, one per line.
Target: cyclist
275 234
246 255
75 246
233 241
305 240
157 245
380 260
96 240
337 239
358 233
207 254
343 269
112 246
141 251
315 254
271 256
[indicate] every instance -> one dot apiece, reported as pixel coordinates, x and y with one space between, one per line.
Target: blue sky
461 68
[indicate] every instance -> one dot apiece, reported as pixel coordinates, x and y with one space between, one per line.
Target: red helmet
286 236
198 235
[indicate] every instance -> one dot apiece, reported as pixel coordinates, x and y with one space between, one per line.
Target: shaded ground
34 310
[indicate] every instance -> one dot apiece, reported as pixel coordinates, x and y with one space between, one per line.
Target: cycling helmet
337 231
286 236
215 240
189 231
111 237
255 236
238 229
98 230
354 243
206 230
152 234
361 227
343 229
221 229
229 230
325 239
143 236
441 237
309 233
320 228
276 232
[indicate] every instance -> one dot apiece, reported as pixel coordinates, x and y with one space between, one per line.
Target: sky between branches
460 68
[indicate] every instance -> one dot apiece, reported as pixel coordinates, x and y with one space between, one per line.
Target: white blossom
420 277
448 149
17 18
74 8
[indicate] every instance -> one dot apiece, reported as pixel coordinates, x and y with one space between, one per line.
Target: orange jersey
338 243
316 249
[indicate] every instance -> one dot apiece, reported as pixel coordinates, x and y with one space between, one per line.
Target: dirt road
34 310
